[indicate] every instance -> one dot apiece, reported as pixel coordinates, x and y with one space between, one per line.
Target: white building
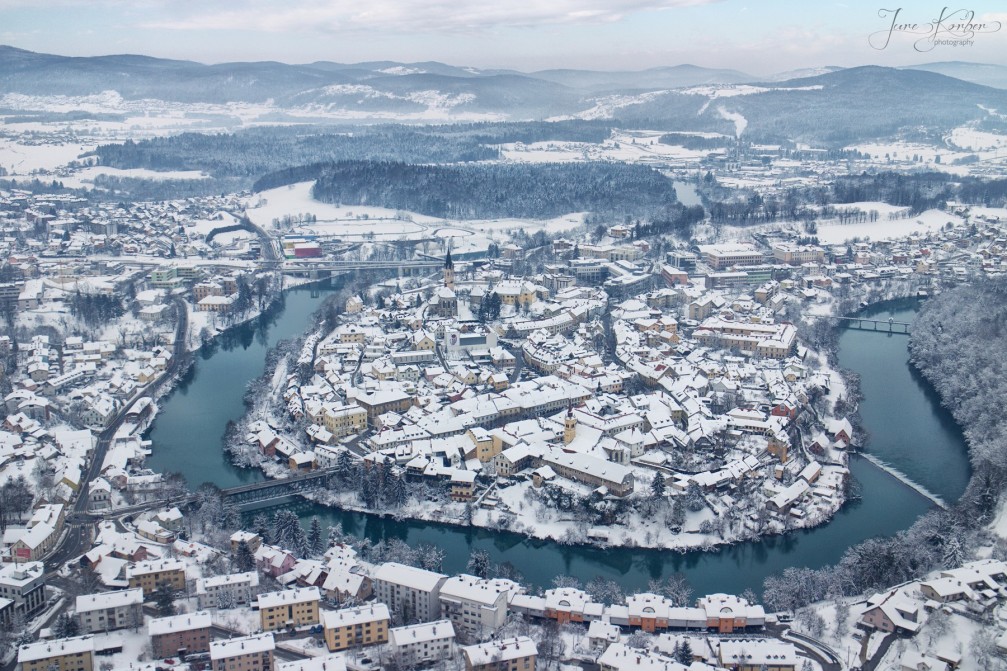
418 644
226 591
410 593
477 607
108 611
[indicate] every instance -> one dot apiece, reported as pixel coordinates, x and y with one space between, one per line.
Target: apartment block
356 627
289 608
188 633
108 611
68 654
247 653
149 575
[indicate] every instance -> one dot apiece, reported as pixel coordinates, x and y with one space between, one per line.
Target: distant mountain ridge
828 105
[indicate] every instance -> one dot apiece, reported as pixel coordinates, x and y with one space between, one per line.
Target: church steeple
449 271
569 426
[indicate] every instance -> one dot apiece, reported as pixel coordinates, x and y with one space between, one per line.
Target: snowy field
84 178
360 222
923 223
21 159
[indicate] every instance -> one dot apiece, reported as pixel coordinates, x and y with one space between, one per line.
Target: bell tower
569 427
449 272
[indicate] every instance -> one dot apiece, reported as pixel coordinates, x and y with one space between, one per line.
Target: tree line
488 190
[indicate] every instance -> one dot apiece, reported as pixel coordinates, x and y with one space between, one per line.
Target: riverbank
187 439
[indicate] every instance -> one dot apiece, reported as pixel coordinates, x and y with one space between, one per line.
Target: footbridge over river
889 325
279 488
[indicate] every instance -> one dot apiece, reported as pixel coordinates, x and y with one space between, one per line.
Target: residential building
149 575
247 653
67 654
24 584
355 627
334 662
762 654
289 608
188 633
509 654
226 591
418 644
108 611
477 607
410 593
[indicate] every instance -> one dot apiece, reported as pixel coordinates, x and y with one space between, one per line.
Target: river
908 427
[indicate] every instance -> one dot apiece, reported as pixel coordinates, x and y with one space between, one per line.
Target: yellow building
68 654
248 653
344 420
151 574
360 626
289 608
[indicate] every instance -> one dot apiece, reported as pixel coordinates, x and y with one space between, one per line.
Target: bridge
861 324
267 490
889 325
403 267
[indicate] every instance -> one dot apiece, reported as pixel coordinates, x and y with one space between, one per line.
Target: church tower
449 272
569 427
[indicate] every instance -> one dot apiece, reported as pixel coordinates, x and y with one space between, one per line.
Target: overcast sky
754 36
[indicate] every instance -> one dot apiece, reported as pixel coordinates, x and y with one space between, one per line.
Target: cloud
401 16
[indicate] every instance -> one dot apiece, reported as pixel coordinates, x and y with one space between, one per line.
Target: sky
758 37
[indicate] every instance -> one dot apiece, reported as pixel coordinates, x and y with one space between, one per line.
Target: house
893 611
108 611
67 654
419 644
728 613
247 653
289 608
915 661
463 486
359 626
252 540
411 593
508 654
600 635
180 634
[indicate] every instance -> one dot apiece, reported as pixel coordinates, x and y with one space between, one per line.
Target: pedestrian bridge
267 490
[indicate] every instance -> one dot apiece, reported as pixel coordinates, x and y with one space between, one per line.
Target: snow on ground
925 222
21 159
84 178
966 137
364 222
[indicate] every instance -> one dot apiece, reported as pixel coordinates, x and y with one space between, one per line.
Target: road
77 540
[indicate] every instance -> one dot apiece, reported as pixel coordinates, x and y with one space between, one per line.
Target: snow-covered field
359 222
21 159
84 178
883 229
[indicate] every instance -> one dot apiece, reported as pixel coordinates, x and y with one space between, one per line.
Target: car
169 661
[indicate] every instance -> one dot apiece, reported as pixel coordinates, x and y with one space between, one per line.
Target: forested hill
959 343
483 191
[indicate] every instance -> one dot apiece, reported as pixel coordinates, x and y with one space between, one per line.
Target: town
647 391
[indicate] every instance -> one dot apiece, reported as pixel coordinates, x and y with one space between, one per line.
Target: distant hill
985 74
831 106
836 108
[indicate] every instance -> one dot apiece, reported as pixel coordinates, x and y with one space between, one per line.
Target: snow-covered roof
289 596
408 576
246 645
500 651
175 623
47 649
89 602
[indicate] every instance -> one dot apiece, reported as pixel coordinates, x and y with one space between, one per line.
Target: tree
480 563
694 498
316 544
261 528
65 626
244 558
657 489
164 599
685 653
